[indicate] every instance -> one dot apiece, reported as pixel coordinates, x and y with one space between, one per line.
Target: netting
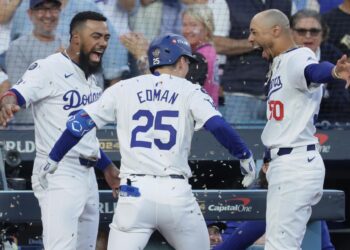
29 33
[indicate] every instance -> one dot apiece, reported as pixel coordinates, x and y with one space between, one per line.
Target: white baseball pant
295 184
69 206
166 205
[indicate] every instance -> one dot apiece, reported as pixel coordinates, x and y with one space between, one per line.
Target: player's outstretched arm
8 107
77 126
326 71
230 139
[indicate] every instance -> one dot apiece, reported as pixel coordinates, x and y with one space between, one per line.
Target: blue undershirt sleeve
228 137
65 143
103 162
20 99
319 72
77 126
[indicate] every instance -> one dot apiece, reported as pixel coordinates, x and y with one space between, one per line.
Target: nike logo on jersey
310 159
68 75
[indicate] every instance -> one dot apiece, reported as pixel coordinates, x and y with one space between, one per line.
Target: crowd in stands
232 71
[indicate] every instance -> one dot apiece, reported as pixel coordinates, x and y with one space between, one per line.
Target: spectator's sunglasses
312 31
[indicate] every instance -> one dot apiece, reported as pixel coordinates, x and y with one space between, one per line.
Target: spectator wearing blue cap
114 62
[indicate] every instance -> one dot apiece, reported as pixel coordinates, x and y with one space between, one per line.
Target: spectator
221 15
7 8
310 31
42 42
114 61
338 21
118 13
305 4
164 18
198 29
327 5
244 98
39 44
142 23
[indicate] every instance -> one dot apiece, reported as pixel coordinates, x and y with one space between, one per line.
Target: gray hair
202 13
306 13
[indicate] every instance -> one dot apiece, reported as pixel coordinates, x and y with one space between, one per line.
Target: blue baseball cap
35 3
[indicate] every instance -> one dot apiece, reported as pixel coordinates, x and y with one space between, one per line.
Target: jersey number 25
155 122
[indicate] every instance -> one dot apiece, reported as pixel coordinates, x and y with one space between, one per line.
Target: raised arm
231 47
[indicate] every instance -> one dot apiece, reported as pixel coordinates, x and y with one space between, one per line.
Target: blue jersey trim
20 99
104 161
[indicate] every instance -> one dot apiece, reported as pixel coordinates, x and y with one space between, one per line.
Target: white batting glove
49 167
248 169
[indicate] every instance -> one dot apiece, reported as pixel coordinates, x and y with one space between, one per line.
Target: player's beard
86 65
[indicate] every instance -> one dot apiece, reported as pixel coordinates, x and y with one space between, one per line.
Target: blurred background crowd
229 68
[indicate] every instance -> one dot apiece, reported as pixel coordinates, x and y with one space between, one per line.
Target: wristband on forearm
8 93
335 74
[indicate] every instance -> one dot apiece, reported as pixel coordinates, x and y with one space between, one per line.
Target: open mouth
264 54
96 55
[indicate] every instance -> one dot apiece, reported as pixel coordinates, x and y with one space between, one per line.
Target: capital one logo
323 138
238 204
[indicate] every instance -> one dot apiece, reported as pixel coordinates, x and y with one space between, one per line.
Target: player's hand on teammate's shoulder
111 174
48 168
342 70
248 169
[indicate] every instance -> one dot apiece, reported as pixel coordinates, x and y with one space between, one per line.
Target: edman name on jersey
75 99
157 95
275 84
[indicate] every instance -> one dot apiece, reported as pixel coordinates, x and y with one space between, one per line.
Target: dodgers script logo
275 84
75 100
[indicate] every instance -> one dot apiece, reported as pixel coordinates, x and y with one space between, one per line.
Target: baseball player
56 87
296 173
156 115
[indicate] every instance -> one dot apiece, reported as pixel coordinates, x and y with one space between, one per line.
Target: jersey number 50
276 110
158 124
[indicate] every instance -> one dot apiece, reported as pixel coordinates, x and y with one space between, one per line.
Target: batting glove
50 167
248 169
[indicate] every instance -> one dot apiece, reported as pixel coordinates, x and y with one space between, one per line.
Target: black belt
284 151
172 176
89 163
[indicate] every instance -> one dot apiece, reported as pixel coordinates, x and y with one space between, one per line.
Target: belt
172 176
273 153
88 162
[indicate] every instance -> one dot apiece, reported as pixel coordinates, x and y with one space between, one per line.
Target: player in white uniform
296 171
56 87
156 115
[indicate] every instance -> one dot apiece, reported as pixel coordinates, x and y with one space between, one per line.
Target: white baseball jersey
156 117
55 93
292 105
